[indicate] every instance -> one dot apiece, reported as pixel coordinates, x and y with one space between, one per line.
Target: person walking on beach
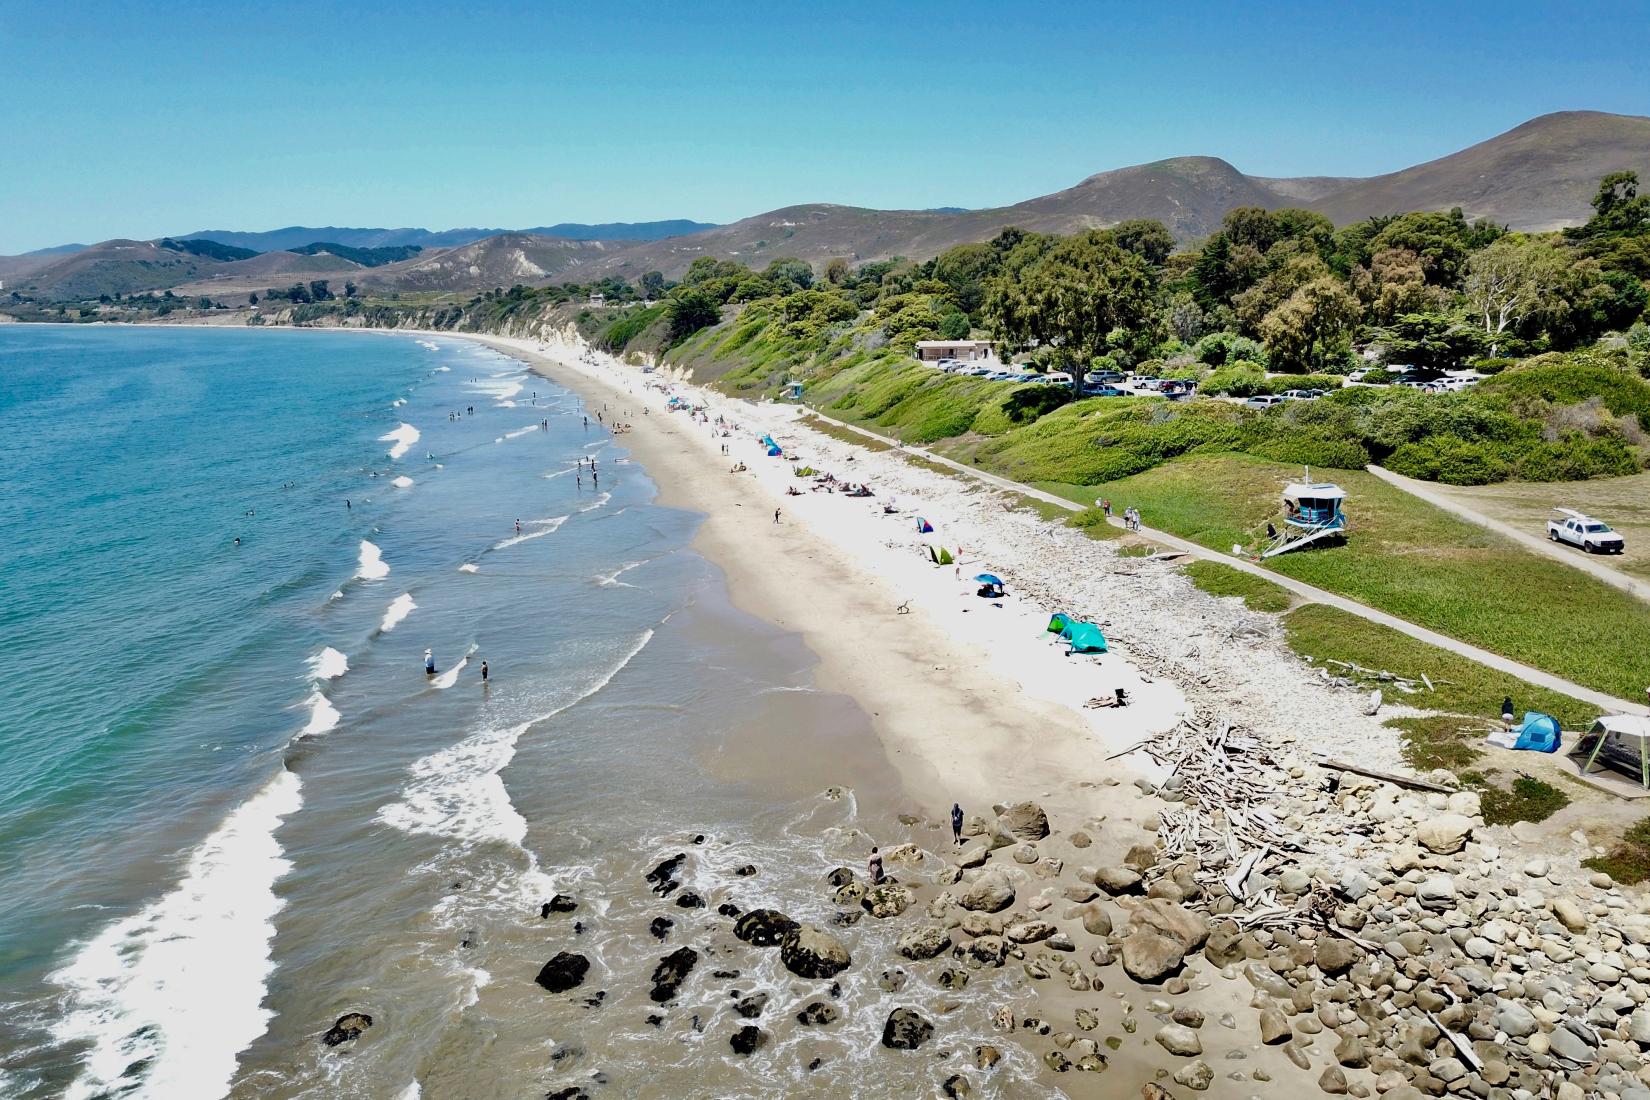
873 867
776 515
956 822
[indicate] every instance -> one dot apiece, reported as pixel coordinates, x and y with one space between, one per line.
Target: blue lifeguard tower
1311 513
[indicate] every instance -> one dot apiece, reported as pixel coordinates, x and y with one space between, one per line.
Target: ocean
234 806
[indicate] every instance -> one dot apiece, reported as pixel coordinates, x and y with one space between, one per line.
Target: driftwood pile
1226 825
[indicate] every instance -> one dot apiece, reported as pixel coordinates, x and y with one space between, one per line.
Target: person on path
956 822
1105 506
873 867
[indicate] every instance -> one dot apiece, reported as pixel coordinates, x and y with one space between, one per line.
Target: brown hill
1537 176
115 267
500 261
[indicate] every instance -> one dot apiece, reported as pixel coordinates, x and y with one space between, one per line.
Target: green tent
1058 622
1084 637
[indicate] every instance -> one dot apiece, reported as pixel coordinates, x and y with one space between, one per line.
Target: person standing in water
956 822
429 662
484 673
873 867
518 525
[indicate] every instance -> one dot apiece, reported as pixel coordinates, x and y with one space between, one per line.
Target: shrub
1492 365
1451 460
1221 348
1240 379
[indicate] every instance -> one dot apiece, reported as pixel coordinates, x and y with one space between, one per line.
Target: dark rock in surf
663 877
728 909
570 1093
561 903
810 952
746 871
840 877
764 927
728 975
906 1030
565 971
671 972
661 927
748 1039
751 1007
347 1027
817 1014
687 899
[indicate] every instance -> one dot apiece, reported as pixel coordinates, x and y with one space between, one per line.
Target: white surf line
540 528
450 677
167 998
399 609
372 567
404 436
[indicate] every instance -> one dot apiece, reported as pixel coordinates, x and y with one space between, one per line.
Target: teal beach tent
1057 623
1538 733
1084 638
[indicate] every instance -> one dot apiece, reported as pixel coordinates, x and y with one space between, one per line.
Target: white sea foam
432 345
443 370
329 664
450 677
519 432
468 567
399 609
597 503
337 594
532 529
501 387
596 446
457 793
608 580
373 567
398 402
167 998
561 473
323 716
403 482
404 436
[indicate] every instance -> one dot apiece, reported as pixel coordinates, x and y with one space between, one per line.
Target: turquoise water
233 806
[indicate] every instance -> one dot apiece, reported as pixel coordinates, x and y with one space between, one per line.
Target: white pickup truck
1577 529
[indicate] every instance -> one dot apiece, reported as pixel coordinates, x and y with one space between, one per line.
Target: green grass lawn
1461 686
1258 593
1415 561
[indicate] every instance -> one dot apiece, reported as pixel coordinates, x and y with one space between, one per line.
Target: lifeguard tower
1311 514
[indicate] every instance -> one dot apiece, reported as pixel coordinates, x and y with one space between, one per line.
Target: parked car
999 376
1058 378
979 372
1578 529
1301 395
1103 377
1104 391
1263 401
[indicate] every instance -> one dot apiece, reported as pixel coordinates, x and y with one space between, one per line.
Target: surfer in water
429 662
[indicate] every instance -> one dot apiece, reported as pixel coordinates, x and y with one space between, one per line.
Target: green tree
837 271
1514 282
1146 238
1073 297
1431 340
965 270
691 309
1441 240
1312 327
653 284
789 275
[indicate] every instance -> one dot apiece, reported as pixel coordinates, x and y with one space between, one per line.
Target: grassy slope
1417 562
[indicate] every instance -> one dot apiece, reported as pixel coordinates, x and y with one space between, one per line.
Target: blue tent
774 451
924 526
767 441
1084 637
990 578
1538 732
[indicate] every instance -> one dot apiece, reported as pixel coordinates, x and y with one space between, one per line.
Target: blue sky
140 120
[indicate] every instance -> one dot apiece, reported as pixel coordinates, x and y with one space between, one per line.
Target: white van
1057 378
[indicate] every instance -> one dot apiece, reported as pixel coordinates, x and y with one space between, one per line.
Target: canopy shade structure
924 527
1057 622
989 578
1084 638
1621 737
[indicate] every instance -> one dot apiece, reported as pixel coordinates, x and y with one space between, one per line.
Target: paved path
1569 555
1528 673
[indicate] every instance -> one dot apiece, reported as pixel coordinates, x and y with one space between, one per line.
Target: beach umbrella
990 578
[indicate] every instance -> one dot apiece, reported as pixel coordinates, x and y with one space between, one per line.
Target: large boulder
671 972
924 943
1160 934
1444 834
906 1030
747 1040
763 927
991 893
817 1014
888 900
347 1027
1030 931
1118 879
565 971
1024 821
810 952
985 951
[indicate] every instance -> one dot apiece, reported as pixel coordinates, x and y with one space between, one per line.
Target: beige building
969 351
